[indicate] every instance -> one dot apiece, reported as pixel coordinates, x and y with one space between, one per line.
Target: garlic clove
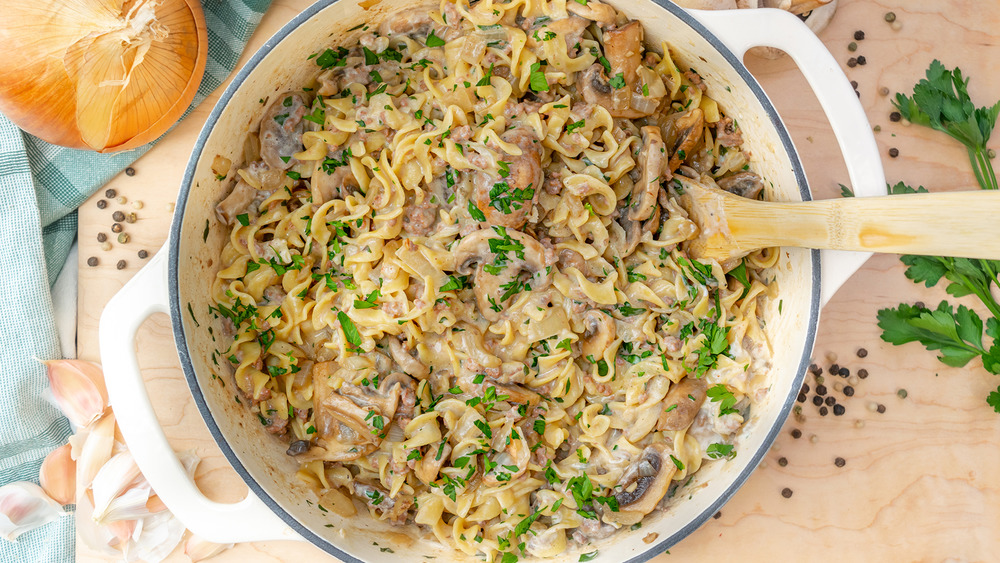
94 452
199 549
154 504
23 507
161 533
118 478
129 505
190 460
97 538
58 475
78 389
122 530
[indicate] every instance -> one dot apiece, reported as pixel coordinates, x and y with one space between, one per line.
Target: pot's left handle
247 520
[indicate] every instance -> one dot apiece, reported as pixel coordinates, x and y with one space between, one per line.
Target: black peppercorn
849 391
834 369
130 171
782 461
92 261
116 228
840 462
110 193
862 353
821 390
101 204
823 411
852 62
814 369
859 35
101 237
895 116
805 387
830 401
881 409
120 265
817 400
802 397
717 515
796 433
854 83
839 410
862 373
786 492
143 254
118 216
844 372
862 60
893 152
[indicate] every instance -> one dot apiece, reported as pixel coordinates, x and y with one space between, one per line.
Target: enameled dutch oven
179 281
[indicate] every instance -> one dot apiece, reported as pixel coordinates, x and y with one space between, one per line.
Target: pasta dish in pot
454 281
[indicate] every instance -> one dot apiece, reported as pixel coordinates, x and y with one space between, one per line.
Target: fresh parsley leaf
739 273
721 394
957 334
475 212
617 81
350 331
593 554
434 40
993 400
537 81
719 451
845 191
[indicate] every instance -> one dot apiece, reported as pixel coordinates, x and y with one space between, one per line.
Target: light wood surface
933 224
921 481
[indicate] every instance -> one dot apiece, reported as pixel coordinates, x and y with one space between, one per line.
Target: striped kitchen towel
41 185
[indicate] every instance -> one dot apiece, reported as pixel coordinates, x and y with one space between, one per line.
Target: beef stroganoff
454 281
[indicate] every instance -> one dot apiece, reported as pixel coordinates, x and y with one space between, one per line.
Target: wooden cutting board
920 482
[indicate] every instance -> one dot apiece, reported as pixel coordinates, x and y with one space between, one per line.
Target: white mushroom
743 184
651 160
499 265
643 484
681 404
598 335
281 131
507 200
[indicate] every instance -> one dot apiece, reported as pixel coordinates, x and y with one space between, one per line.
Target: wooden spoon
962 224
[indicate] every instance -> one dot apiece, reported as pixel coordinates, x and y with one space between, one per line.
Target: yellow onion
106 75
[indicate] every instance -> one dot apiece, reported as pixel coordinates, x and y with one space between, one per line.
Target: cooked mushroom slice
345 418
281 131
298 447
603 14
651 160
237 202
409 364
525 254
332 182
623 49
743 184
625 243
415 22
687 133
427 468
600 332
643 484
681 404
507 200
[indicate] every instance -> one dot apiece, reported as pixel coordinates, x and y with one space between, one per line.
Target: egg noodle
453 280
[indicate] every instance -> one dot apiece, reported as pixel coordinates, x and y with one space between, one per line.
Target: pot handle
742 29
248 520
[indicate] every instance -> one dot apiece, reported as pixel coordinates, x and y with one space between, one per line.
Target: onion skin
66 78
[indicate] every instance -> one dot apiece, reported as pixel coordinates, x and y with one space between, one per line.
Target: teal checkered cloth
41 186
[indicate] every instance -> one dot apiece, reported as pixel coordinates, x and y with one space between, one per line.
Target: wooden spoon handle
963 224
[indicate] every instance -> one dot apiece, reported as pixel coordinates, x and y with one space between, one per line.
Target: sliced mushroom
681 404
743 184
281 131
336 183
237 202
651 160
603 14
347 420
685 136
600 332
415 22
623 49
507 200
412 366
394 509
643 484
428 467
298 447
475 250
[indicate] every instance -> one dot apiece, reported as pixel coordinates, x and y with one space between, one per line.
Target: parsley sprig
941 101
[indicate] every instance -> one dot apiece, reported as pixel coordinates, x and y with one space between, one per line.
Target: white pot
174 282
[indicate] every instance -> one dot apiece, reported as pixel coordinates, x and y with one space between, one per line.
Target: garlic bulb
24 507
106 75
